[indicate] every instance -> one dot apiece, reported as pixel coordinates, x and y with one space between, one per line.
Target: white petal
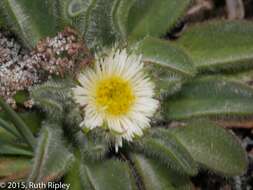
130 68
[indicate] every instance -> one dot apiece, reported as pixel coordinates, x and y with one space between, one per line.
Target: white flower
117 94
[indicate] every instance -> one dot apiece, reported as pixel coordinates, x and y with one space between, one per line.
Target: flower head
118 95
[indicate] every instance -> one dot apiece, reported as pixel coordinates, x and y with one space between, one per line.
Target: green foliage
153 175
154 18
166 56
32 119
6 137
76 12
8 127
11 142
73 177
167 150
219 45
106 175
210 97
31 20
18 123
120 17
52 158
166 157
168 65
21 96
8 149
101 22
212 147
52 96
94 145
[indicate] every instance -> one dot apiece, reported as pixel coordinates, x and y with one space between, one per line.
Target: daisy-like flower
117 94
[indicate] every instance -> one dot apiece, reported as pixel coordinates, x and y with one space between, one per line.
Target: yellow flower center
115 95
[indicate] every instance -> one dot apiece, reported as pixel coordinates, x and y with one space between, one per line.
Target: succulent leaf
213 147
219 45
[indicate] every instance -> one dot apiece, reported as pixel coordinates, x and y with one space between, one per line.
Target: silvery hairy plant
76 130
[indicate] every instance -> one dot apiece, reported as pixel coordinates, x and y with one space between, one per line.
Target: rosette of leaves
201 77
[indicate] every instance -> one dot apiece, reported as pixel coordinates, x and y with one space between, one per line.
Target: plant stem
19 124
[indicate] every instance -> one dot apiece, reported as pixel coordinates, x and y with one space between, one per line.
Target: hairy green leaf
76 12
213 147
167 56
154 18
73 176
99 27
168 65
120 16
168 150
153 175
243 76
93 147
51 97
76 7
31 20
107 175
52 158
210 97
219 45
63 17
